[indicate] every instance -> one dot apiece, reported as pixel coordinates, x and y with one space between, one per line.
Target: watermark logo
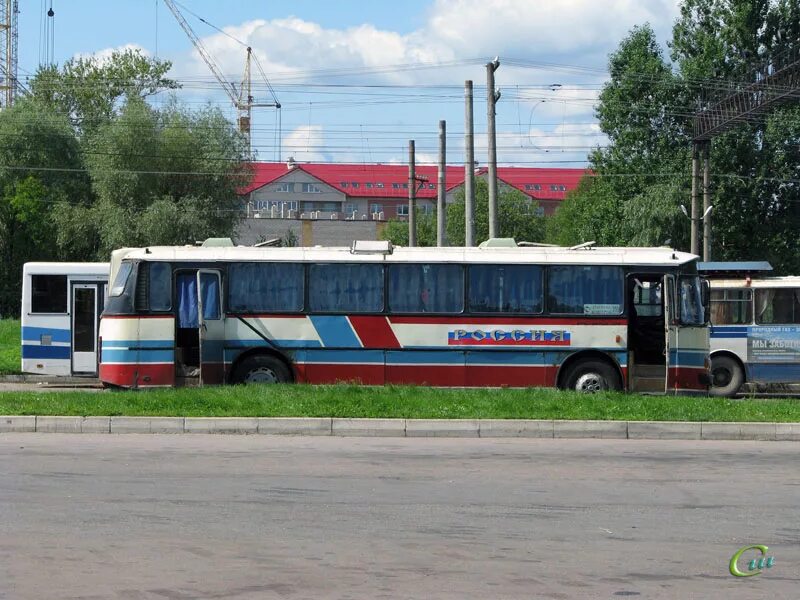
756 565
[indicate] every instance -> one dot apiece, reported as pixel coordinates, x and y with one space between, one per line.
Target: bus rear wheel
591 377
726 377
261 369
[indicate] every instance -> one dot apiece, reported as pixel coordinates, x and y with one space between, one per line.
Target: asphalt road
256 517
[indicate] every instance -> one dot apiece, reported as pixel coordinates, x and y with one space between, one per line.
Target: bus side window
731 307
48 294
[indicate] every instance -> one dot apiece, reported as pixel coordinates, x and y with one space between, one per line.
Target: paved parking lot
200 516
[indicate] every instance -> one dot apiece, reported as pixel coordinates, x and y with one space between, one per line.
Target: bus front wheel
261 369
592 376
726 376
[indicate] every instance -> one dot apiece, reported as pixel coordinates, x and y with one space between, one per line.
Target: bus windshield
692 311
119 281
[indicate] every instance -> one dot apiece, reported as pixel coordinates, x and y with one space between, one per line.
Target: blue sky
358 79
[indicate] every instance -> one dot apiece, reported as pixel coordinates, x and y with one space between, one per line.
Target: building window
368 185
539 211
528 186
405 186
287 205
285 187
49 293
395 186
431 186
402 210
506 288
343 184
562 188
425 209
349 209
426 288
311 188
354 184
553 188
375 208
345 288
379 185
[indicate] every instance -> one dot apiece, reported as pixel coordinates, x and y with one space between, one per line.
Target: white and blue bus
61 306
582 318
755 328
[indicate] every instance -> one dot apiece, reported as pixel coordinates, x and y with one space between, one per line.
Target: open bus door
671 330
211 326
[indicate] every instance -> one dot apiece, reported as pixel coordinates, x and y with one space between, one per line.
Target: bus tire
727 376
592 376
261 368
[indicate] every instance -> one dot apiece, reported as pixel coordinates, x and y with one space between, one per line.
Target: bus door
211 326
671 333
646 337
86 307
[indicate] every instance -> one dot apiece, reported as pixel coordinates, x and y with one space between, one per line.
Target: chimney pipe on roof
290 164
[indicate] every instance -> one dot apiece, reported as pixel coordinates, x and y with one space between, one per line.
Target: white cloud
304 144
104 55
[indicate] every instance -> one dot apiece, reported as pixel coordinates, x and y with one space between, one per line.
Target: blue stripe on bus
773 373
687 358
31 351
146 344
119 355
335 331
34 334
229 344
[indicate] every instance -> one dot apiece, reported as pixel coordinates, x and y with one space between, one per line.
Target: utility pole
469 168
695 213
412 197
441 236
492 96
707 201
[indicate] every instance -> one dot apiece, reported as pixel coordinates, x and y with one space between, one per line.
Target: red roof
391 181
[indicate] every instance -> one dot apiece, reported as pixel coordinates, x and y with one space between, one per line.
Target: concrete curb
327 426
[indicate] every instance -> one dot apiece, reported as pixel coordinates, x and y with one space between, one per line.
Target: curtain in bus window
265 287
720 309
186 284
505 288
587 290
345 288
426 288
209 292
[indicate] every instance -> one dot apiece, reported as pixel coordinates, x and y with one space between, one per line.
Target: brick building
380 191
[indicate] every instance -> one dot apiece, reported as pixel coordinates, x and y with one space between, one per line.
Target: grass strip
9 347
395 402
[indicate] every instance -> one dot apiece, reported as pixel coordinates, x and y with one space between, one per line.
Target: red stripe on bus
374 332
532 321
138 375
339 373
687 378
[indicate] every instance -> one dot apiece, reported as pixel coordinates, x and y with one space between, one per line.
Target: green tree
40 168
397 231
646 109
163 177
91 90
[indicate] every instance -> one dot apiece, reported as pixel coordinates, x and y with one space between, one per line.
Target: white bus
61 306
583 318
755 329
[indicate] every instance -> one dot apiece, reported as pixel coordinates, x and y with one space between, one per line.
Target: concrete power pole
695 213
707 201
492 96
412 196
469 168
441 215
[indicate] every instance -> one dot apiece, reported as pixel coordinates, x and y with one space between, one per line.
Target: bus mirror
705 293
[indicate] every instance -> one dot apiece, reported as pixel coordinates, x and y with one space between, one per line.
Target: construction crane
9 11
242 98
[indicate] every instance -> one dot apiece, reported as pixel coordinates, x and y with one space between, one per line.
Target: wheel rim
721 376
591 383
261 375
